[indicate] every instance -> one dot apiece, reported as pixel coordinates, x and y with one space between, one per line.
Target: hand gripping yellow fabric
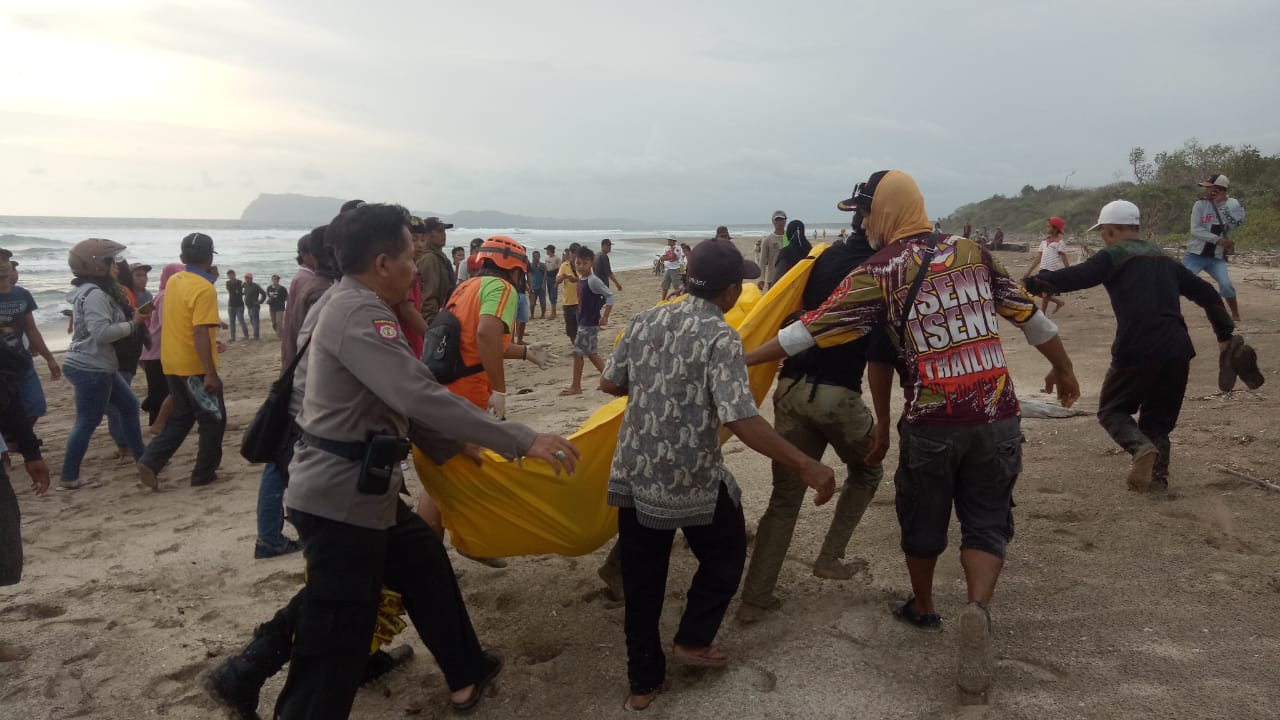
503 508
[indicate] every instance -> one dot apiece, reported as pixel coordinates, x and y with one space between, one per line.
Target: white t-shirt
1049 254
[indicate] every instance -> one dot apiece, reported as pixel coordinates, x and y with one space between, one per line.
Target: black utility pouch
382 454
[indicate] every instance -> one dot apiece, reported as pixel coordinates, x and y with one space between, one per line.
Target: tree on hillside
1142 170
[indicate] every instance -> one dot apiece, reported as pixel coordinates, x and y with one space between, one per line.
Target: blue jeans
114 422
254 319
95 390
32 394
271 509
237 313
1216 268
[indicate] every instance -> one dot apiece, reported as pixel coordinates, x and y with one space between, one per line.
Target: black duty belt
345 450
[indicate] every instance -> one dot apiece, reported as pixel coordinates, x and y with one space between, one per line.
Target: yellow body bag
504 508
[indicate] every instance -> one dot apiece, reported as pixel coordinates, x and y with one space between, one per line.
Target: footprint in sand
13 653
32 611
169 549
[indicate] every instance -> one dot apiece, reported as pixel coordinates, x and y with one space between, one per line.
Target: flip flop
702 658
494 663
567 391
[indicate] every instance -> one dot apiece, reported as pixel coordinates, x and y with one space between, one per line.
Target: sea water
40 246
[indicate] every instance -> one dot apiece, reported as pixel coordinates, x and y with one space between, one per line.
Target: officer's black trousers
346 568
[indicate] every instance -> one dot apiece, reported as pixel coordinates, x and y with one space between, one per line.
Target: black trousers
10 533
333 617
157 389
721 550
1154 392
186 413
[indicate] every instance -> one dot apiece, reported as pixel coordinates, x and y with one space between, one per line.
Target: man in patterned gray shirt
682 367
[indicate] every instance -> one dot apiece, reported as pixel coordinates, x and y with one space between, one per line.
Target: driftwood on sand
1260 482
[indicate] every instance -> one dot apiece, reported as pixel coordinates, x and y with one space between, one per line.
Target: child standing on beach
595 302
1052 256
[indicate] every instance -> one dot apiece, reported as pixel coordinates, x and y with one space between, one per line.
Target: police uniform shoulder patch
387 329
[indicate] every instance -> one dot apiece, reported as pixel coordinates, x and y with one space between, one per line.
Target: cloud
677 112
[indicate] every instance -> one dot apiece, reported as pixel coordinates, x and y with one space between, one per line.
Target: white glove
498 405
538 354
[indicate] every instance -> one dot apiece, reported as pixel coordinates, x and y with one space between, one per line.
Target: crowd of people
390 345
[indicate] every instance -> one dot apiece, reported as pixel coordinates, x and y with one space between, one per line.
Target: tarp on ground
503 508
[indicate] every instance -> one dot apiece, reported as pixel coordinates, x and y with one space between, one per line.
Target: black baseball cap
606 241
416 225
715 265
198 242
863 192
435 223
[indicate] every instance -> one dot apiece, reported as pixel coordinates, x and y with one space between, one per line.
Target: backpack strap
909 306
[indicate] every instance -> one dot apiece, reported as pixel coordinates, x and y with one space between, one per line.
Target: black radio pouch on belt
381 456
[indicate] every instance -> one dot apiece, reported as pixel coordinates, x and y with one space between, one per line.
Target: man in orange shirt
189 356
485 306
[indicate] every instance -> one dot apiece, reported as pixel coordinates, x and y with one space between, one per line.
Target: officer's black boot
236 681
384 661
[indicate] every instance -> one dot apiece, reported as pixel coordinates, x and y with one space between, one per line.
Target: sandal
709 656
906 612
493 666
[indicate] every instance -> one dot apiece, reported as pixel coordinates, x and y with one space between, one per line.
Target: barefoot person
960 441
818 404
1151 356
1052 256
668 472
595 302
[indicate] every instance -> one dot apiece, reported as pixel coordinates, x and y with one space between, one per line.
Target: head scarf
169 271
897 210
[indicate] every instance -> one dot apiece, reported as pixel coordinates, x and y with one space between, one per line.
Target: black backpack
442 349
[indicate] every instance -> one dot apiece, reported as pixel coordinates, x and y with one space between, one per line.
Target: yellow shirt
189 300
570 296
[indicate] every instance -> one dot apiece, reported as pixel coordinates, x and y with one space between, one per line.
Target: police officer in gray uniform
366 396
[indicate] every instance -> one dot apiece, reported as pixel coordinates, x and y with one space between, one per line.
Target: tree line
1163 185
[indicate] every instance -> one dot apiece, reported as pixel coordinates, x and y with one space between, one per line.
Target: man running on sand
1151 355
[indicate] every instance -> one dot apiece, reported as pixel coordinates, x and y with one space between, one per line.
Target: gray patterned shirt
683 369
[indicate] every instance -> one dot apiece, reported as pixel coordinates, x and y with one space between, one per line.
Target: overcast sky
709 111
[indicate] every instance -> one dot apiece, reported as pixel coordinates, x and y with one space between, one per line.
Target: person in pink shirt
157 401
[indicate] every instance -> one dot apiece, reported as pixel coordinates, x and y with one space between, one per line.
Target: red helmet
505 253
88 258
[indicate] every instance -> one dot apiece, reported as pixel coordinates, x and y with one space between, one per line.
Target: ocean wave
29 243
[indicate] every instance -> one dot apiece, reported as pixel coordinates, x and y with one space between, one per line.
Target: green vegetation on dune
1164 188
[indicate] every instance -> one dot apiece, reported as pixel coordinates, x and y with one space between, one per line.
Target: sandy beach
1112 605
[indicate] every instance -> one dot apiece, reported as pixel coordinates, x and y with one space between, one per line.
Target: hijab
897 210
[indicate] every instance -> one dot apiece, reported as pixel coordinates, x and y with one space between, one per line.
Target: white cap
1216 181
1117 212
